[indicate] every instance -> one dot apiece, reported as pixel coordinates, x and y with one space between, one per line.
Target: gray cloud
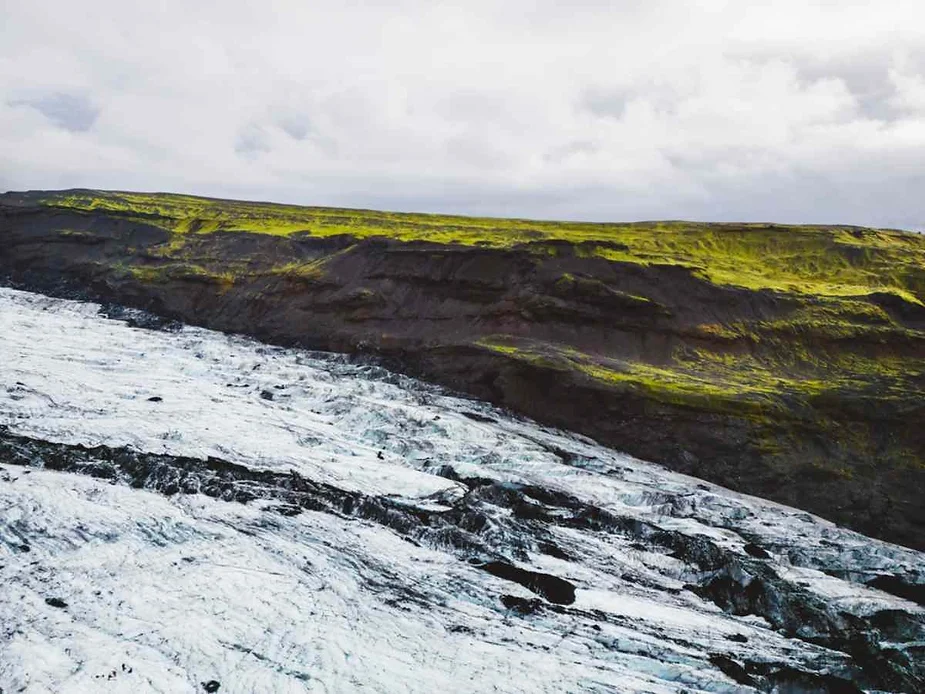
867 78
608 104
68 111
297 127
251 142
798 110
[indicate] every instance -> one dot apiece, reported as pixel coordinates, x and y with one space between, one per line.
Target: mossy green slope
787 361
822 261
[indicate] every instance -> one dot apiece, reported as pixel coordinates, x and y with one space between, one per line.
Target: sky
787 111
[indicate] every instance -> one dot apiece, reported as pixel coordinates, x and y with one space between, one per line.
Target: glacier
183 511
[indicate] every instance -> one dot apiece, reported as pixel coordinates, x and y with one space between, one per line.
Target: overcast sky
794 111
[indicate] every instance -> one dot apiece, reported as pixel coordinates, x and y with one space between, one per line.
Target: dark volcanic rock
522 606
552 588
732 669
756 551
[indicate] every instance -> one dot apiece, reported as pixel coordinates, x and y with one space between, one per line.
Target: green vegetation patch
739 383
814 260
674 386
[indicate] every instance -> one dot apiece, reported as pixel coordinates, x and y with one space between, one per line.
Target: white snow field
112 586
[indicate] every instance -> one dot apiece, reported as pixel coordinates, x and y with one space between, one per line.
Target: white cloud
791 111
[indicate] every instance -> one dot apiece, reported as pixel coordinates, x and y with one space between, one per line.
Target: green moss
162 273
530 353
670 385
681 388
724 333
312 270
732 383
819 261
569 284
833 319
147 273
174 246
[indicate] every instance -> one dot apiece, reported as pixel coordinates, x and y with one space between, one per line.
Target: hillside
787 362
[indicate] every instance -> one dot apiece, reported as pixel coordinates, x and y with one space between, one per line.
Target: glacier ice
275 520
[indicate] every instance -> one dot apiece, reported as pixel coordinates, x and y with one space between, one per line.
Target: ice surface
168 593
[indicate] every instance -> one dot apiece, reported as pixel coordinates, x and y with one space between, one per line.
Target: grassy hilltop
787 361
816 260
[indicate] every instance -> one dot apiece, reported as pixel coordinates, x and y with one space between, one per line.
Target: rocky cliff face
783 362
